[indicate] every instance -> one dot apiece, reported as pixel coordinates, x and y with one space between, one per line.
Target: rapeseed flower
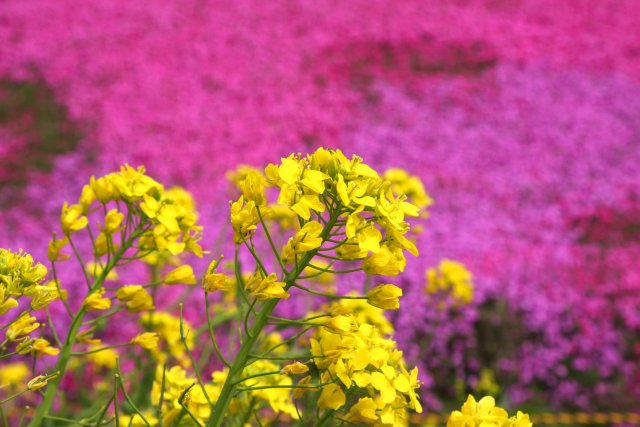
385 296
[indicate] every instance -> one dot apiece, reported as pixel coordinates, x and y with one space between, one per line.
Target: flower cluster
357 363
486 413
166 219
327 188
451 277
346 219
19 276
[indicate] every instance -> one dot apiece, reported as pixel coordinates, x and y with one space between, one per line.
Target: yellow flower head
410 185
43 295
168 328
105 357
251 182
244 219
295 368
136 420
55 246
146 340
340 324
43 347
112 221
96 301
38 382
24 325
266 288
13 374
136 298
19 276
485 413
180 275
363 411
389 261
385 297
358 357
72 219
451 277
305 240
332 397
217 282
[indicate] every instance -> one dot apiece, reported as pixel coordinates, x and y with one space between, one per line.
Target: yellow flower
7 303
217 282
520 420
244 219
366 234
382 383
295 368
102 189
451 277
350 250
42 296
87 197
95 301
266 288
112 221
487 382
290 170
410 385
485 413
278 398
136 420
24 325
72 219
86 336
25 346
363 411
306 203
410 185
13 374
183 275
41 346
168 328
387 262
132 184
306 239
136 297
146 340
385 296
340 324
251 183
53 252
18 276
106 357
38 382
331 397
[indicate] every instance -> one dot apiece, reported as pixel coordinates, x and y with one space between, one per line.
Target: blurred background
521 117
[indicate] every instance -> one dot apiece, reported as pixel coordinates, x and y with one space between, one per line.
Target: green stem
238 365
61 366
65 352
235 371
